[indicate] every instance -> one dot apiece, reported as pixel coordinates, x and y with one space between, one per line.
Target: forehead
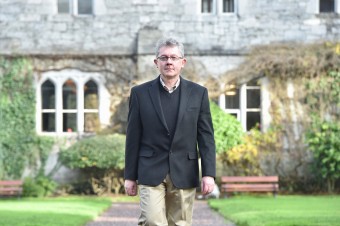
169 50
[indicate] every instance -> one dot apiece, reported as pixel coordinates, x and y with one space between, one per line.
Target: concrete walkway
126 214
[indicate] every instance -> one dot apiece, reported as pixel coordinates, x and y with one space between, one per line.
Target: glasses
165 58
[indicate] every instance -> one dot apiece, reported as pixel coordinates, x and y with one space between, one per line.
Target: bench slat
253 179
10 182
250 184
250 187
11 188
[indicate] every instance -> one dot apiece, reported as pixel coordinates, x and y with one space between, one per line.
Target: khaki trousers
166 205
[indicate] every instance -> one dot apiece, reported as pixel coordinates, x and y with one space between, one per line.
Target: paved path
126 214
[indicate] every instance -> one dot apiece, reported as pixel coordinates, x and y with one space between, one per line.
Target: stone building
88 53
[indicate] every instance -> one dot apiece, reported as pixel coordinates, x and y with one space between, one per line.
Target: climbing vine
304 97
20 147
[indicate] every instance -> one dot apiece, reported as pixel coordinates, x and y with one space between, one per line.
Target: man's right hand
130 187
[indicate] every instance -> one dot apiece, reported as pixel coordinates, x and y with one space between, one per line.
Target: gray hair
170 42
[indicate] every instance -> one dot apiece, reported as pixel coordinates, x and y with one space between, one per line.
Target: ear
184 61
155 62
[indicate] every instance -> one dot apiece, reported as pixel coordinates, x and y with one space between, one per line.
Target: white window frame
74 8
217 8
336 6
58 78
220 8
213 10
241 113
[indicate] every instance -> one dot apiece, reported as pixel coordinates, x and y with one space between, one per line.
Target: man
169 123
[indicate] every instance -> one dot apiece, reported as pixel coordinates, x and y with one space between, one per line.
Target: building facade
87 54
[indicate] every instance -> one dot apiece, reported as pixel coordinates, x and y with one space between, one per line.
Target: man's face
170 62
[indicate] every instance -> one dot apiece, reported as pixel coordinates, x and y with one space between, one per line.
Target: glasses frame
166 58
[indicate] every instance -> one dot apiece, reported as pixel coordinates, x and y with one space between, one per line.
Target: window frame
242 111
217 8
73 8
58 78
336 7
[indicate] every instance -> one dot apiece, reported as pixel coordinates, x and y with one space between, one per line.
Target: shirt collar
172 88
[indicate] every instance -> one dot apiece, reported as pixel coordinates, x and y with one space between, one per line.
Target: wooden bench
11 188
250 184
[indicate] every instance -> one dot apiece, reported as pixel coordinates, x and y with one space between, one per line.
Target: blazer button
168 134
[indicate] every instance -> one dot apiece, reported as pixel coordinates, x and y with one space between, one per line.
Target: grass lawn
65 211
280 211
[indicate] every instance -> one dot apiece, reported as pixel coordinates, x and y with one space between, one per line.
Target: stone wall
35 27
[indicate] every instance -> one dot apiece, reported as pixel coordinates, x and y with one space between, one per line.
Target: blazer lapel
156 100
183 101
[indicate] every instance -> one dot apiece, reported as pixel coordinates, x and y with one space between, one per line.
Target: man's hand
208 184
130 187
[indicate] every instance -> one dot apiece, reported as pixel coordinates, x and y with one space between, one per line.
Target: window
64 6
218 6
207 6
228 6
326 6
48 106
244 103
71 102
76 7
91 106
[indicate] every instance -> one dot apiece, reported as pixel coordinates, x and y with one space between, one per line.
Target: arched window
72 102
48 106
69 106
91 105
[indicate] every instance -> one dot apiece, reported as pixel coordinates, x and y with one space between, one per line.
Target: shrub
41 186
102 157
228 131
324 141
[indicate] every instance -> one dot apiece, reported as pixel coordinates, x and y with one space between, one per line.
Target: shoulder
144 86
193 85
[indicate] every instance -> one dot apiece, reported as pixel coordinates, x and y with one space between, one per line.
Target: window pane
69 122
84 6
207 6
69 95
48 95
63 6
91 95
232 99
228 6
327 6
233 114
91 122
253 98
253 118
48 122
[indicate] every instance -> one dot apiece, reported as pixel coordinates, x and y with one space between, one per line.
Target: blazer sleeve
133 136
205 138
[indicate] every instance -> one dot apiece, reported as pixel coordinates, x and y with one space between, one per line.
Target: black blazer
148 157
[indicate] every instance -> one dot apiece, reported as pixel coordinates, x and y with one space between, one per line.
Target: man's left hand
208 184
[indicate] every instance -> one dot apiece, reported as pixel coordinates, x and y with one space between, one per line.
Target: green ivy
323 137
20 147
228 131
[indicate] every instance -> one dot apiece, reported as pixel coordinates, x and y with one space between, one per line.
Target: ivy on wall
20 147
313 72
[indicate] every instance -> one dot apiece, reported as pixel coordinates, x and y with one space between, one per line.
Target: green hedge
102 158
228 131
